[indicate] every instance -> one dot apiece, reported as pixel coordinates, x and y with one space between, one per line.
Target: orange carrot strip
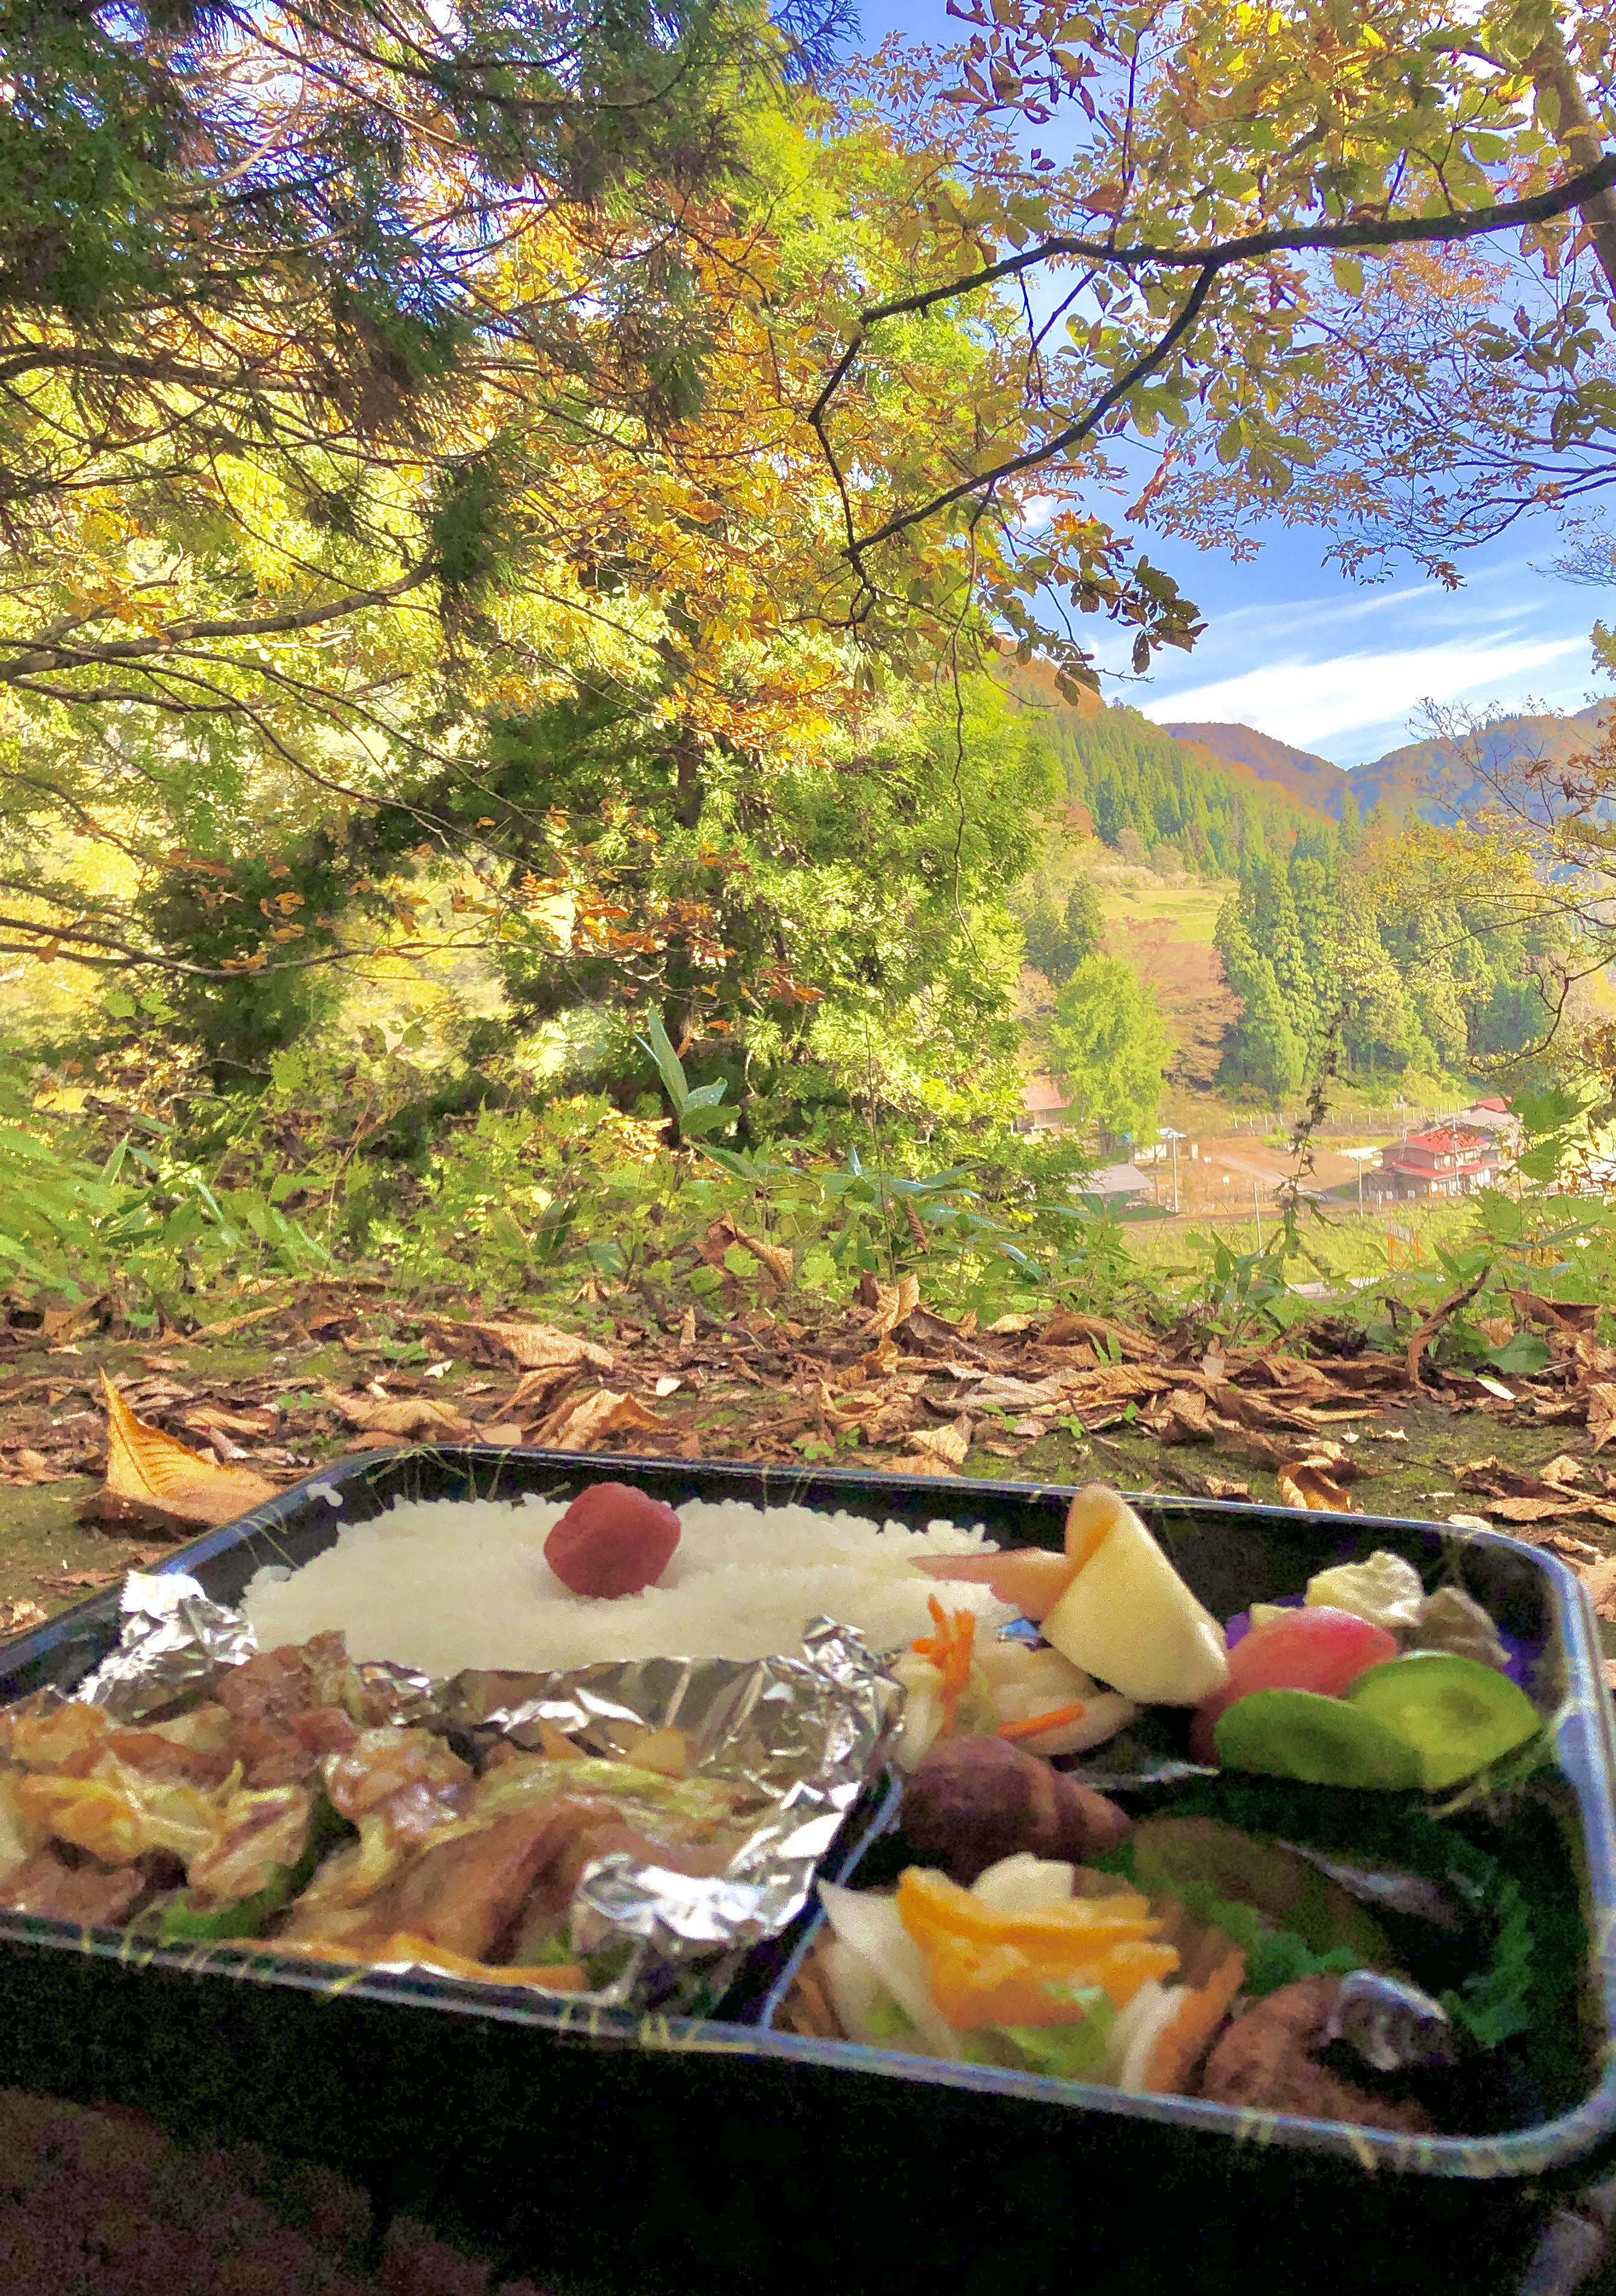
1034 1723
1180 2043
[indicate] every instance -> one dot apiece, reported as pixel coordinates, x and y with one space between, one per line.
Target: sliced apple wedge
1127 1617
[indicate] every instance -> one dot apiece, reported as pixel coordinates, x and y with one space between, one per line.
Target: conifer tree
1110 1048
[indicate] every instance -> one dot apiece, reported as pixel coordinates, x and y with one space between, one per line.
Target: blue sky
1296 650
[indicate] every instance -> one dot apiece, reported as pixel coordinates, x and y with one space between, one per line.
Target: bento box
624 2153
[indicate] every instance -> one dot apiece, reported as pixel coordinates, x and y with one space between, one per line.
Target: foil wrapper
803 1737
173 1641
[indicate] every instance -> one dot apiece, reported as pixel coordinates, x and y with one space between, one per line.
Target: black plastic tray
705 2155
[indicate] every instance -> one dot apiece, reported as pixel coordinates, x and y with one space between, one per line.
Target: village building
1450 1160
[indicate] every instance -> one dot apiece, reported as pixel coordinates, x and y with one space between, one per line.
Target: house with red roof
1450 1160
1043 1106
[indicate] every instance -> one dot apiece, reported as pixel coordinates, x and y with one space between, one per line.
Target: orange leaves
153 1481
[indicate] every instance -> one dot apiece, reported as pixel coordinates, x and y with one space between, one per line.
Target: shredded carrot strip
949 1650
1034 1723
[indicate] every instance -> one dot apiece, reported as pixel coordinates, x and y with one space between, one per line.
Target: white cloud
1306 702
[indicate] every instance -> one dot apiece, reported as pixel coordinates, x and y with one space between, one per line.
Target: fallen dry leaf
154 1482
1602 1411
19 1616
532 1347
506 1432
57 1325
534 1387
687 1328
949 1444
33 1467
918 1462
1564 1469
1599 1585
69 1582
894 1303
586 1420
1304 1486
403 1415
1066 1325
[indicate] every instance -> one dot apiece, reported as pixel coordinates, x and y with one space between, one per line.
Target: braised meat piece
416 1780
1264 2061
84 1892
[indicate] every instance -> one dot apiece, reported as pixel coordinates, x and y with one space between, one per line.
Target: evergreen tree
1262 1051
1107 1044
1057 946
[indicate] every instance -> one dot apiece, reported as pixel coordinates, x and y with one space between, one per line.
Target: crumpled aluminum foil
174 1639
804 1736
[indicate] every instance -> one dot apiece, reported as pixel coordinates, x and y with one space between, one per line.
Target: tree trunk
1577 133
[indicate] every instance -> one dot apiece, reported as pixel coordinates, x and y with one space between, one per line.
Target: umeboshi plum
613 1541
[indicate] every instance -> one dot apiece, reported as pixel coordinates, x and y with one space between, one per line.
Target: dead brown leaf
69 1582
58 1326
1564 1468
406 1417
19 1616
26 1465
1602 1411
533 1389
1067 1325
1304 1486
918 1462
530 1347
584 1421
949 1444
154 1482
893 1304
1599 1585
1557 1315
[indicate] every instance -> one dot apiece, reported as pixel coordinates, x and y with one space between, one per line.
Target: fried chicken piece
46 1883
1264 2061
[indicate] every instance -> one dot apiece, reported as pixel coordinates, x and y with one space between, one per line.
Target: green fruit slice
1457 1714
1301 1734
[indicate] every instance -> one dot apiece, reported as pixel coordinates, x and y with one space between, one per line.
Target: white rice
443 1584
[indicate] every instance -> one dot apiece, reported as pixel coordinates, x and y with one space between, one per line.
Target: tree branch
1579 191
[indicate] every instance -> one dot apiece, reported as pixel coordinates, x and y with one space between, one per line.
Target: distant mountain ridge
1436 778
1311 781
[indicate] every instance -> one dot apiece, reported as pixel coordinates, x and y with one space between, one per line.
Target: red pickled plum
613 1541
1318 1649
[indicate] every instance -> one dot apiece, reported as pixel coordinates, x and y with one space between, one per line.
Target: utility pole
1166 1132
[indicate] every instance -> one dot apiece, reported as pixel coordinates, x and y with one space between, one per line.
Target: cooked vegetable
1128 1618
1264 1896
1182 2042
1385 1590
1455 1714
1030 1966
1297 1733
1316 1649
1453 1621
975 1800
613 1541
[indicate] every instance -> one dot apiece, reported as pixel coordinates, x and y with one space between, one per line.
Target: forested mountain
1437 779
1131 778
1312 781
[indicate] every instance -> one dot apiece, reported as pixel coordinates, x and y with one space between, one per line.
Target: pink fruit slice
1318 1649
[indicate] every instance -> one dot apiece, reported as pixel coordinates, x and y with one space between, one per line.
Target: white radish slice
870 1926
1023 1883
